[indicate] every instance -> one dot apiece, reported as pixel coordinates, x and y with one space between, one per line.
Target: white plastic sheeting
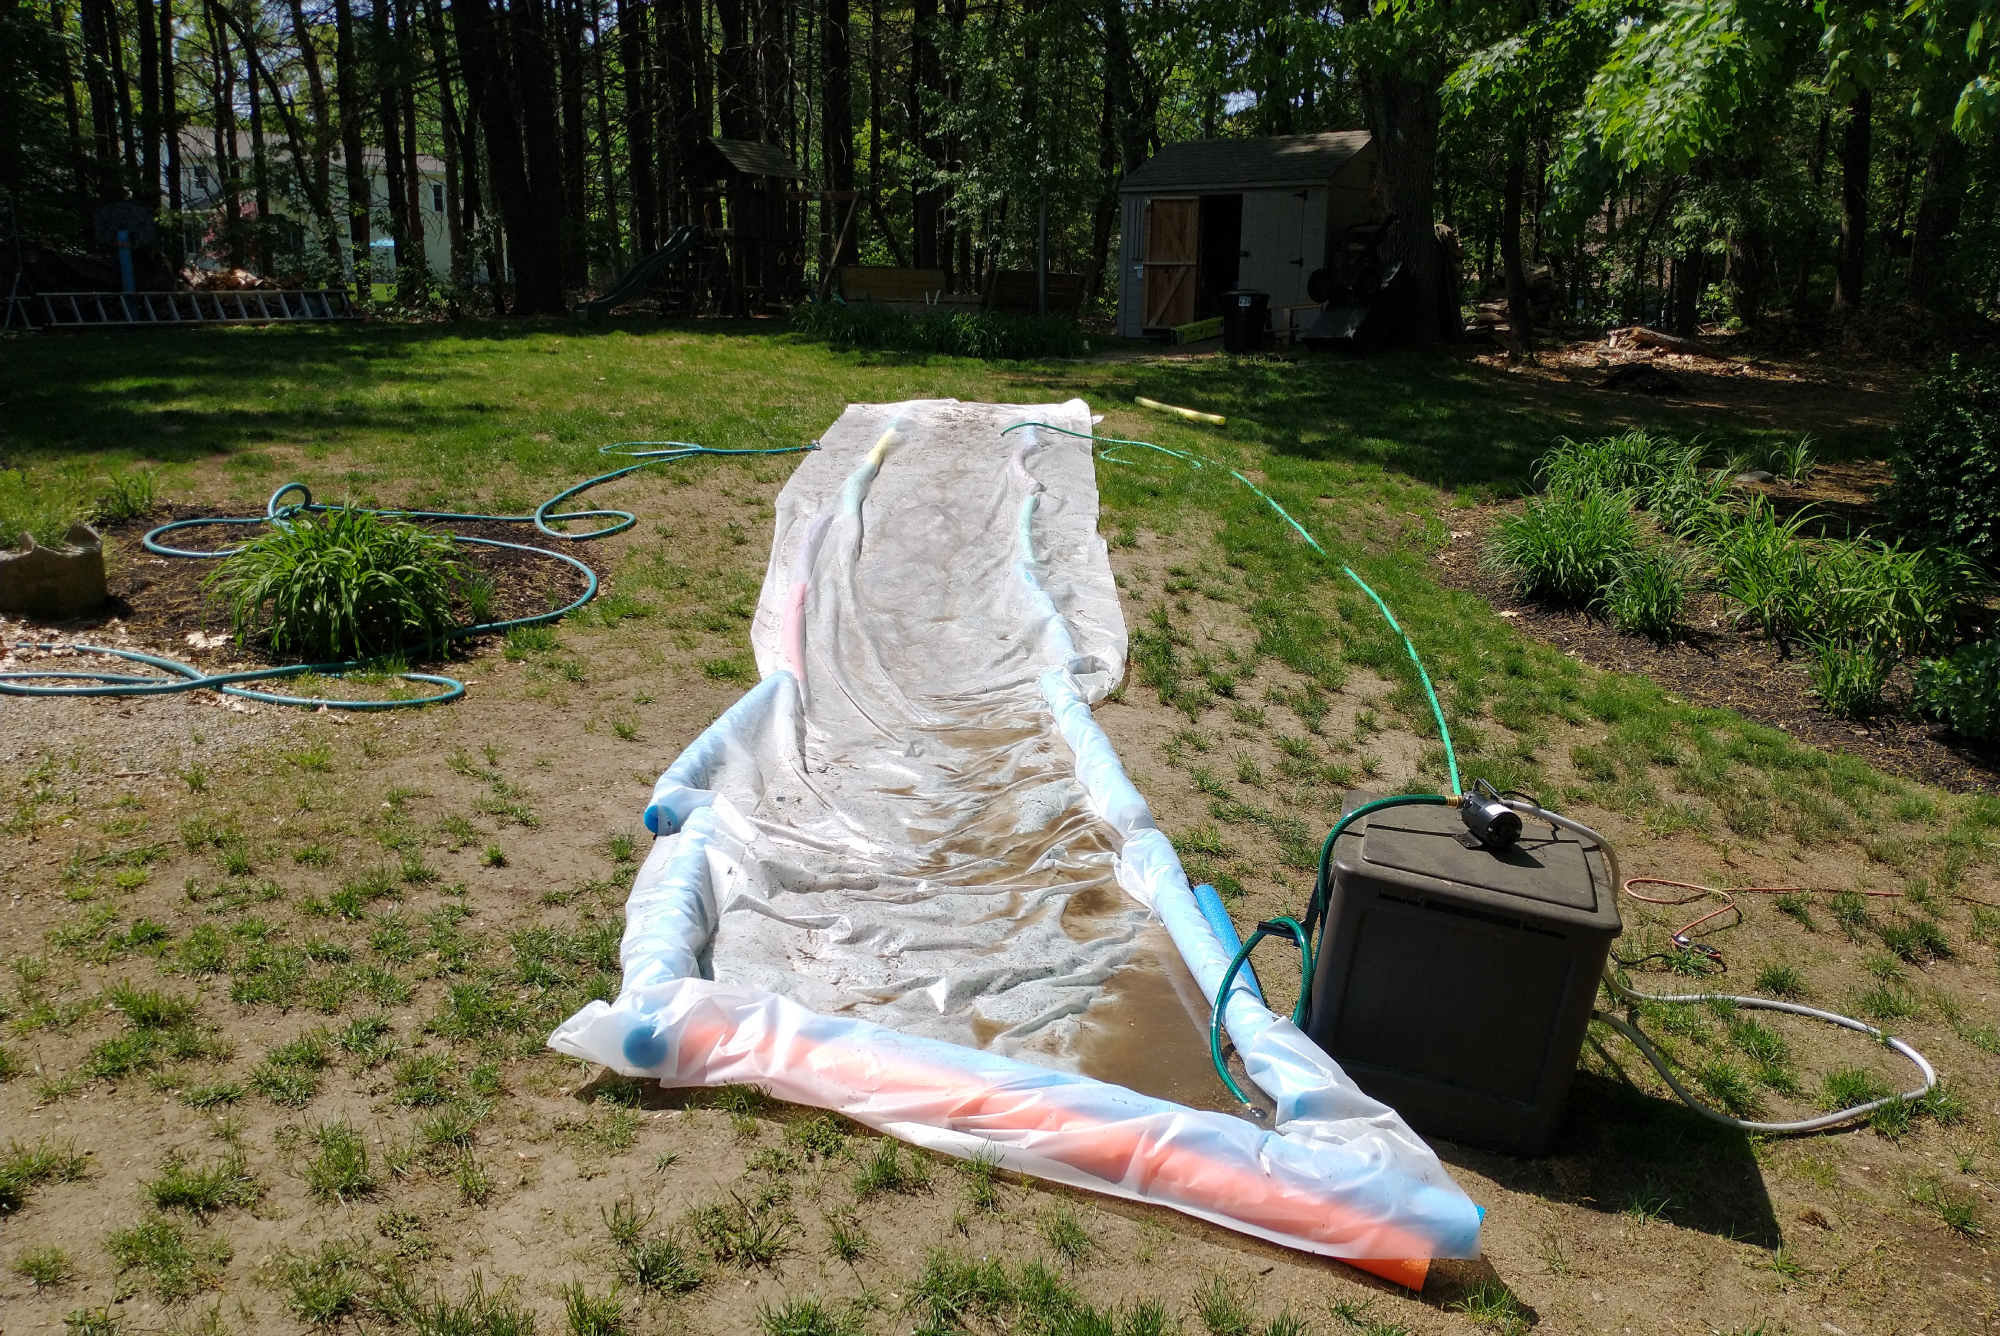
886 879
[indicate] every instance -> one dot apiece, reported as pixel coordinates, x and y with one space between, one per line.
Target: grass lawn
321 1093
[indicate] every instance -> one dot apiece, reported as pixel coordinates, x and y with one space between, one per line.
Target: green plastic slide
639 275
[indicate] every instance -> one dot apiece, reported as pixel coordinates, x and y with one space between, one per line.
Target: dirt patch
1721 666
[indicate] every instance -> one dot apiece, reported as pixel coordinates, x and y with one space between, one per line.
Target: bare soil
1644 1220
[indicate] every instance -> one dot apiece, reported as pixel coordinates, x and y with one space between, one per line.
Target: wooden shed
1203 217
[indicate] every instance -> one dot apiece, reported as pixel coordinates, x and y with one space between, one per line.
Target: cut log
1638 336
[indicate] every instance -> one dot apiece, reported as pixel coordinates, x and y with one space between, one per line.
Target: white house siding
201 189
1131 270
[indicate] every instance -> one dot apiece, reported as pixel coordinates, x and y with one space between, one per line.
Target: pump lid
1553 868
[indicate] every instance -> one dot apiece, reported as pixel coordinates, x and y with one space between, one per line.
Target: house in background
201 189
1204 217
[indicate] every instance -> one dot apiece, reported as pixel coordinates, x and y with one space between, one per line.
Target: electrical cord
279 511
1523 805
1645 1046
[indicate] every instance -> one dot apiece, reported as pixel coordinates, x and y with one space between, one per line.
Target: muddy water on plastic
1148 1030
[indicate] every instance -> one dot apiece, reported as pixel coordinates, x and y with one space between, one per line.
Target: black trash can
1246 313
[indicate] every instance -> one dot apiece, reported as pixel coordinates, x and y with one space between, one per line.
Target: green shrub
987 334
1687 501
1634 461
126 496
1849 679
1911 600
341 584
1567 548
1649 595
1762 563
1963 690
1946 461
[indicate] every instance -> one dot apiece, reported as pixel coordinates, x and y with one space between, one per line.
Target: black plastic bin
1246 313
1455 984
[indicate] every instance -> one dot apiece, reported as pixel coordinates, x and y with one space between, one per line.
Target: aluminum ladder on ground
89 310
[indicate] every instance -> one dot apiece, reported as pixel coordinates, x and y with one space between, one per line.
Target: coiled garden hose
1302 934
279 511
1283 924
1631 1030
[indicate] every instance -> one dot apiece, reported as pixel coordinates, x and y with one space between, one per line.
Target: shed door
1173 230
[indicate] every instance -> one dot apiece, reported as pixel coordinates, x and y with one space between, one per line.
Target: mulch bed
1720 666
160 600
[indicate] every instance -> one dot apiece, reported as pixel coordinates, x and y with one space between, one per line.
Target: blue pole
125 261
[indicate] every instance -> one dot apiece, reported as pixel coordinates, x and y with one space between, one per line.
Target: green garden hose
279 511
1301 934
1290 927
1430 692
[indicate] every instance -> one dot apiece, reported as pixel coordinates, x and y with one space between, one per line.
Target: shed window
437 199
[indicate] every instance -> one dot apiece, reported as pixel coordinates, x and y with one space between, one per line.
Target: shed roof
1279 160
754 159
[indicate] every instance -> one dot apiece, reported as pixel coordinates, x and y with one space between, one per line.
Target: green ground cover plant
1860 605
341 584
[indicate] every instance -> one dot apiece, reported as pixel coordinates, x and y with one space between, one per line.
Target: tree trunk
413 180
538 278
103 104
1854 163
1106 211
875 78
607 163
1520 313
1130 120
149 105
360 190
1403 115
321 162
1809 244
638 124
498 57
456 151
837 123
1687 292
735 79
575 160
389 116
72 113
227 181
318 200
772 66
260 173
1937 218
924 80
128 127
170 119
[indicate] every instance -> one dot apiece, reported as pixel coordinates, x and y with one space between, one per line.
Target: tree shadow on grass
92 394
1447 421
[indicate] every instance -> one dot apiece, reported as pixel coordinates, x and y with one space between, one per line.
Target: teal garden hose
294 499
1300 934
